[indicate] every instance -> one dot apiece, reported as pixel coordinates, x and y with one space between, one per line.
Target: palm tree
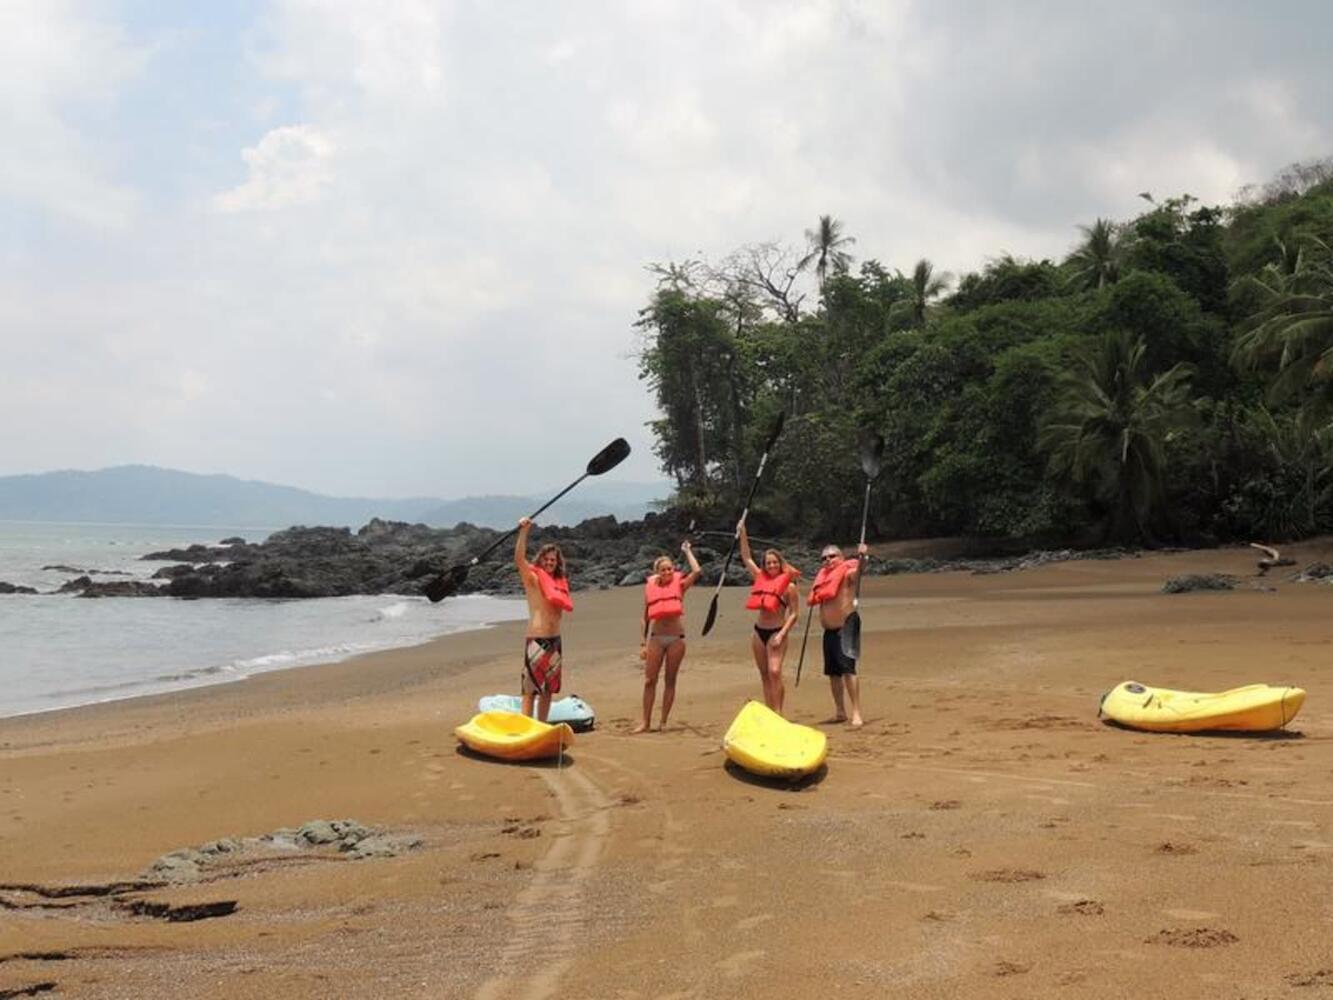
925 285
1302 444
826 243
1291 333
1098 259
1109 429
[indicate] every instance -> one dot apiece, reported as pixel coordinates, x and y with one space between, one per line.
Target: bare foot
642 727
857 723
834 720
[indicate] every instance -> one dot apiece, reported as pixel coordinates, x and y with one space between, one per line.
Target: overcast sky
398 249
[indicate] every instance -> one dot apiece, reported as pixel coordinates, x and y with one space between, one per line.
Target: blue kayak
572 710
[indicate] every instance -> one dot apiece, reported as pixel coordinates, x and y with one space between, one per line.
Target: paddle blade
609 457
872 454
851 636
711 617
445 584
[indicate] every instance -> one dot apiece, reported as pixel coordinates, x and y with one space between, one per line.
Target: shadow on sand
1271 735
799 784
546 763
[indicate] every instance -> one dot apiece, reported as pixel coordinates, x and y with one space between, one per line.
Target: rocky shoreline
392 557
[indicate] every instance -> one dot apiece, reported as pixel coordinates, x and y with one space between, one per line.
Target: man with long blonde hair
547 589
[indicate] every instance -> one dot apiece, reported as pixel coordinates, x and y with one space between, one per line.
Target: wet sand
983 836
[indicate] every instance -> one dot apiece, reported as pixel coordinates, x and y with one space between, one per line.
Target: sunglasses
827 556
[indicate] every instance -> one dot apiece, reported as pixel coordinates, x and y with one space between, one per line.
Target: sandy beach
983 836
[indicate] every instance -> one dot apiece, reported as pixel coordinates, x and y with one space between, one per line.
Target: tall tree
1109 429
924 286
826 248
1291 334
1098 260
686 360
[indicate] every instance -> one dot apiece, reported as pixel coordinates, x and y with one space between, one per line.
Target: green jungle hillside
1169 382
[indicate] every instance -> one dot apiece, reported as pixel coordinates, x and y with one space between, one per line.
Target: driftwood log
1272 558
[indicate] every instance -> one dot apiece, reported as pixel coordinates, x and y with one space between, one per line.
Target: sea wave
395 610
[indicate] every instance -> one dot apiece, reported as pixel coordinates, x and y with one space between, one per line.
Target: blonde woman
664 631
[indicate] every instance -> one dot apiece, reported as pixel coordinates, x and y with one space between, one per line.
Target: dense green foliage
1170 381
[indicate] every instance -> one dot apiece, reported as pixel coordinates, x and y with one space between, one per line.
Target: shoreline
998 838
288 647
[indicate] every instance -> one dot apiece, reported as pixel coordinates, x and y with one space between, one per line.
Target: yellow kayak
513 736
763 742
1254 708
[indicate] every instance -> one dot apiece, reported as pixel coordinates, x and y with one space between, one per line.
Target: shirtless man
547 589
834 590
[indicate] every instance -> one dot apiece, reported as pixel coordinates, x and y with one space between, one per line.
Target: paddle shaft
735 538
513 531
860 559
800 662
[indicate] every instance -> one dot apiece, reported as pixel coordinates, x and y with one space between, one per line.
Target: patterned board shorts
541 665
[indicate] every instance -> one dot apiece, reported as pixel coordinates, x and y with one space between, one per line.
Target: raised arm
521 549
861 551
746 556
693 574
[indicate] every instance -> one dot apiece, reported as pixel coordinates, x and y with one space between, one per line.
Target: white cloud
291 165
59 68
423 274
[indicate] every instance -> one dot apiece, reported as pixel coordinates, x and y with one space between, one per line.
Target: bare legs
652 666
768 661
852 685
543 704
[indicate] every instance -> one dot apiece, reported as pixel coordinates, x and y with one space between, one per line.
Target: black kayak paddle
452 578
872 453
763 459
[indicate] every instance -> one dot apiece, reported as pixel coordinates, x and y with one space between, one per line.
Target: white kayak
573 711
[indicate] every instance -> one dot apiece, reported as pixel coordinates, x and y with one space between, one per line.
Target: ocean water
58 651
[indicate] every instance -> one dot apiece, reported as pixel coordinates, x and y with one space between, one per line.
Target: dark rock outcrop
14 588
1199 581
87 587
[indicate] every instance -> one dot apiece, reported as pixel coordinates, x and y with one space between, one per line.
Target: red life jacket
664 601
554 589
828 581
769 593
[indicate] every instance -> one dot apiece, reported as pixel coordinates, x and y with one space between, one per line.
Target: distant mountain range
143 494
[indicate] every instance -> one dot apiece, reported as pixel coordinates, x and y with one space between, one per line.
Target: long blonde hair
787 567
559 558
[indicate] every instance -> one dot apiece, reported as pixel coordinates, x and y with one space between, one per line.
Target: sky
399 249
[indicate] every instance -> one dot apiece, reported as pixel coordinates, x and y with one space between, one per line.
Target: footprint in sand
1084 908
1175 848
1193 937
740 963
755 921
1320 977
659 888
1008 875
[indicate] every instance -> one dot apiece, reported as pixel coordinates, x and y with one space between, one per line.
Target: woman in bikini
664 631
775 597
